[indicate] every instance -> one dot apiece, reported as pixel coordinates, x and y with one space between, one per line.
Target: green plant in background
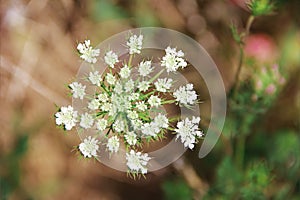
177 189
11 162
252 96
10 167
284 154
271 170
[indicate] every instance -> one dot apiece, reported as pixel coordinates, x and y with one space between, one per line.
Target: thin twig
34 84
191 177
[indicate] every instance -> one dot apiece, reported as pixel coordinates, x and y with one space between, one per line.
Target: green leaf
257 178
177 189
235 34
228 177
285 153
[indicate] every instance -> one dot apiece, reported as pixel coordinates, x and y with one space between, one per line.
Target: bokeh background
38 58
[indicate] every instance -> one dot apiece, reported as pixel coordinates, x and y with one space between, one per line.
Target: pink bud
275 67
270 89
261 47
281 80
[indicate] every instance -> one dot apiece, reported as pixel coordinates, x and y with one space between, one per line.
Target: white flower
113 144
137 162
135 44
141 106
110 79
89 147
101 124
86 121
147 130
162 85
106 106
161 121
129 85
137 123
94 104
133 96
173 59
130 138
125 72
120 103
118 88
143 86
95 78
87 52
77 89
103 97
113 111
119 125
188 130
132 114
66 116
154 101
111 58
150 129
186 95
145 68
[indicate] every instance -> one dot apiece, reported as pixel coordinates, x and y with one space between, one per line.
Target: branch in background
193 180
26 78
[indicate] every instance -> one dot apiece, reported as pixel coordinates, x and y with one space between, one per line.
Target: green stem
142 97
104 88
168 101
241 57
240 151
156 76
113 121
249 23
130 60
237 75
240 145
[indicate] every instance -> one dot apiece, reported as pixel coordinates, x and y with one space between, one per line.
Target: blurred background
38 58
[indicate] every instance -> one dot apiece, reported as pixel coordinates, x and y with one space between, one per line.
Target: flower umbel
162 85
173 60
135 44
113 144
111 58
137 162
78 90
186 95
124 106
187 130
101 124
95 78
145 68
86 121
87 52
67 116
131 138
89 147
